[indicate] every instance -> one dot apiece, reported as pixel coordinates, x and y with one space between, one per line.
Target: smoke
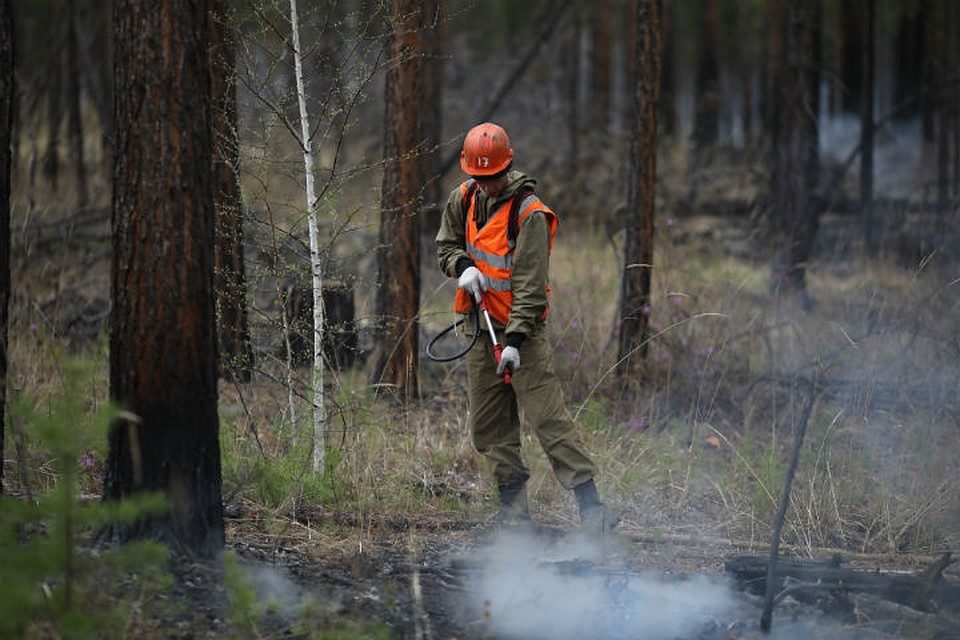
275 591
529 589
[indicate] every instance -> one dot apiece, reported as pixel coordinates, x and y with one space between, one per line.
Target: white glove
509 359
473 282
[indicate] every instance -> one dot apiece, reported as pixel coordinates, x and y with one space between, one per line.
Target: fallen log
927 591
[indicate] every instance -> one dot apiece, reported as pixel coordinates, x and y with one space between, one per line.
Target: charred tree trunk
908 83
794 220
163 351
74 121
398 260
602 41
946 70
850 68
8 94
745 66
773 68
575 32
634 310
96 54
433 37
928 105
866 123
51 157
233 333
668 81
706 123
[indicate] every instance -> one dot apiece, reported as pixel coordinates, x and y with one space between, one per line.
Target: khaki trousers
495 413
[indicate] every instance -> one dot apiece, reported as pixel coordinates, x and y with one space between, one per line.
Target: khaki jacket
531 257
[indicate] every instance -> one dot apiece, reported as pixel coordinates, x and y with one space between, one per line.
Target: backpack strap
519 200
472 187
513 223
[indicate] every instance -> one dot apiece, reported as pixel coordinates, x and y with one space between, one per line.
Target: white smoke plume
529 588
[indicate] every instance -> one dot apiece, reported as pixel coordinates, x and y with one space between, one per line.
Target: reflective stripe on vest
492 252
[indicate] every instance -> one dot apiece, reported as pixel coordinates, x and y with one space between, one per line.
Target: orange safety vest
492 247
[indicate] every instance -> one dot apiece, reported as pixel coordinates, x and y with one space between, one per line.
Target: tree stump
340 350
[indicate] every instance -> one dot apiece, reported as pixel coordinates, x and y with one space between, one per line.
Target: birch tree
319 413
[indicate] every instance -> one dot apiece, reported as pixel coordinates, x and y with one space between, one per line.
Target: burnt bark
707 121
433 63
772 70
638 240
668 76
572 63
74 120
746 56
602 42
866 122
947 112
803 578
8 92
794 220
163 351
398 259
233 333
850 68
51 156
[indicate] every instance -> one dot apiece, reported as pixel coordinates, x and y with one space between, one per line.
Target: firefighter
495 237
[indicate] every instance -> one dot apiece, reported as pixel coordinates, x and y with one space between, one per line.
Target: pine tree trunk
573 106
794 220
638 243
668 81
7 97
236 353
163 352
602 41
398 293
866 124
706 122
74 121
51 157
434 19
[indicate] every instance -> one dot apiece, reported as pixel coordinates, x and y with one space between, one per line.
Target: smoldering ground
573 588
528 587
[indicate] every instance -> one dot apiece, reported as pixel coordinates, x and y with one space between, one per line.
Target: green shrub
52 583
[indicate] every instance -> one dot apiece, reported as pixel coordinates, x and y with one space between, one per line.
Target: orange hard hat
486 150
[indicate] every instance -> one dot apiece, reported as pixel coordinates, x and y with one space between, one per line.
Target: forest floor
458 579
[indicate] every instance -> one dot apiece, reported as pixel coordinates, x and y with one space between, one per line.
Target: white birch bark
319 414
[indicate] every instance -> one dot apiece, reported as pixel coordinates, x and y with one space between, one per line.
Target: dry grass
699 448
702 448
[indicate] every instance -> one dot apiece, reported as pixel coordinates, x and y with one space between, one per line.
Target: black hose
475 314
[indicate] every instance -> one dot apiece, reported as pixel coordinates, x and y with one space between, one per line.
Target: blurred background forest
726 354
804 250
555 74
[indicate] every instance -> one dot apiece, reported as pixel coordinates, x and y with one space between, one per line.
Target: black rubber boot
514 508
595 517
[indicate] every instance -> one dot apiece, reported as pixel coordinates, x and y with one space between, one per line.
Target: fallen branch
927 591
